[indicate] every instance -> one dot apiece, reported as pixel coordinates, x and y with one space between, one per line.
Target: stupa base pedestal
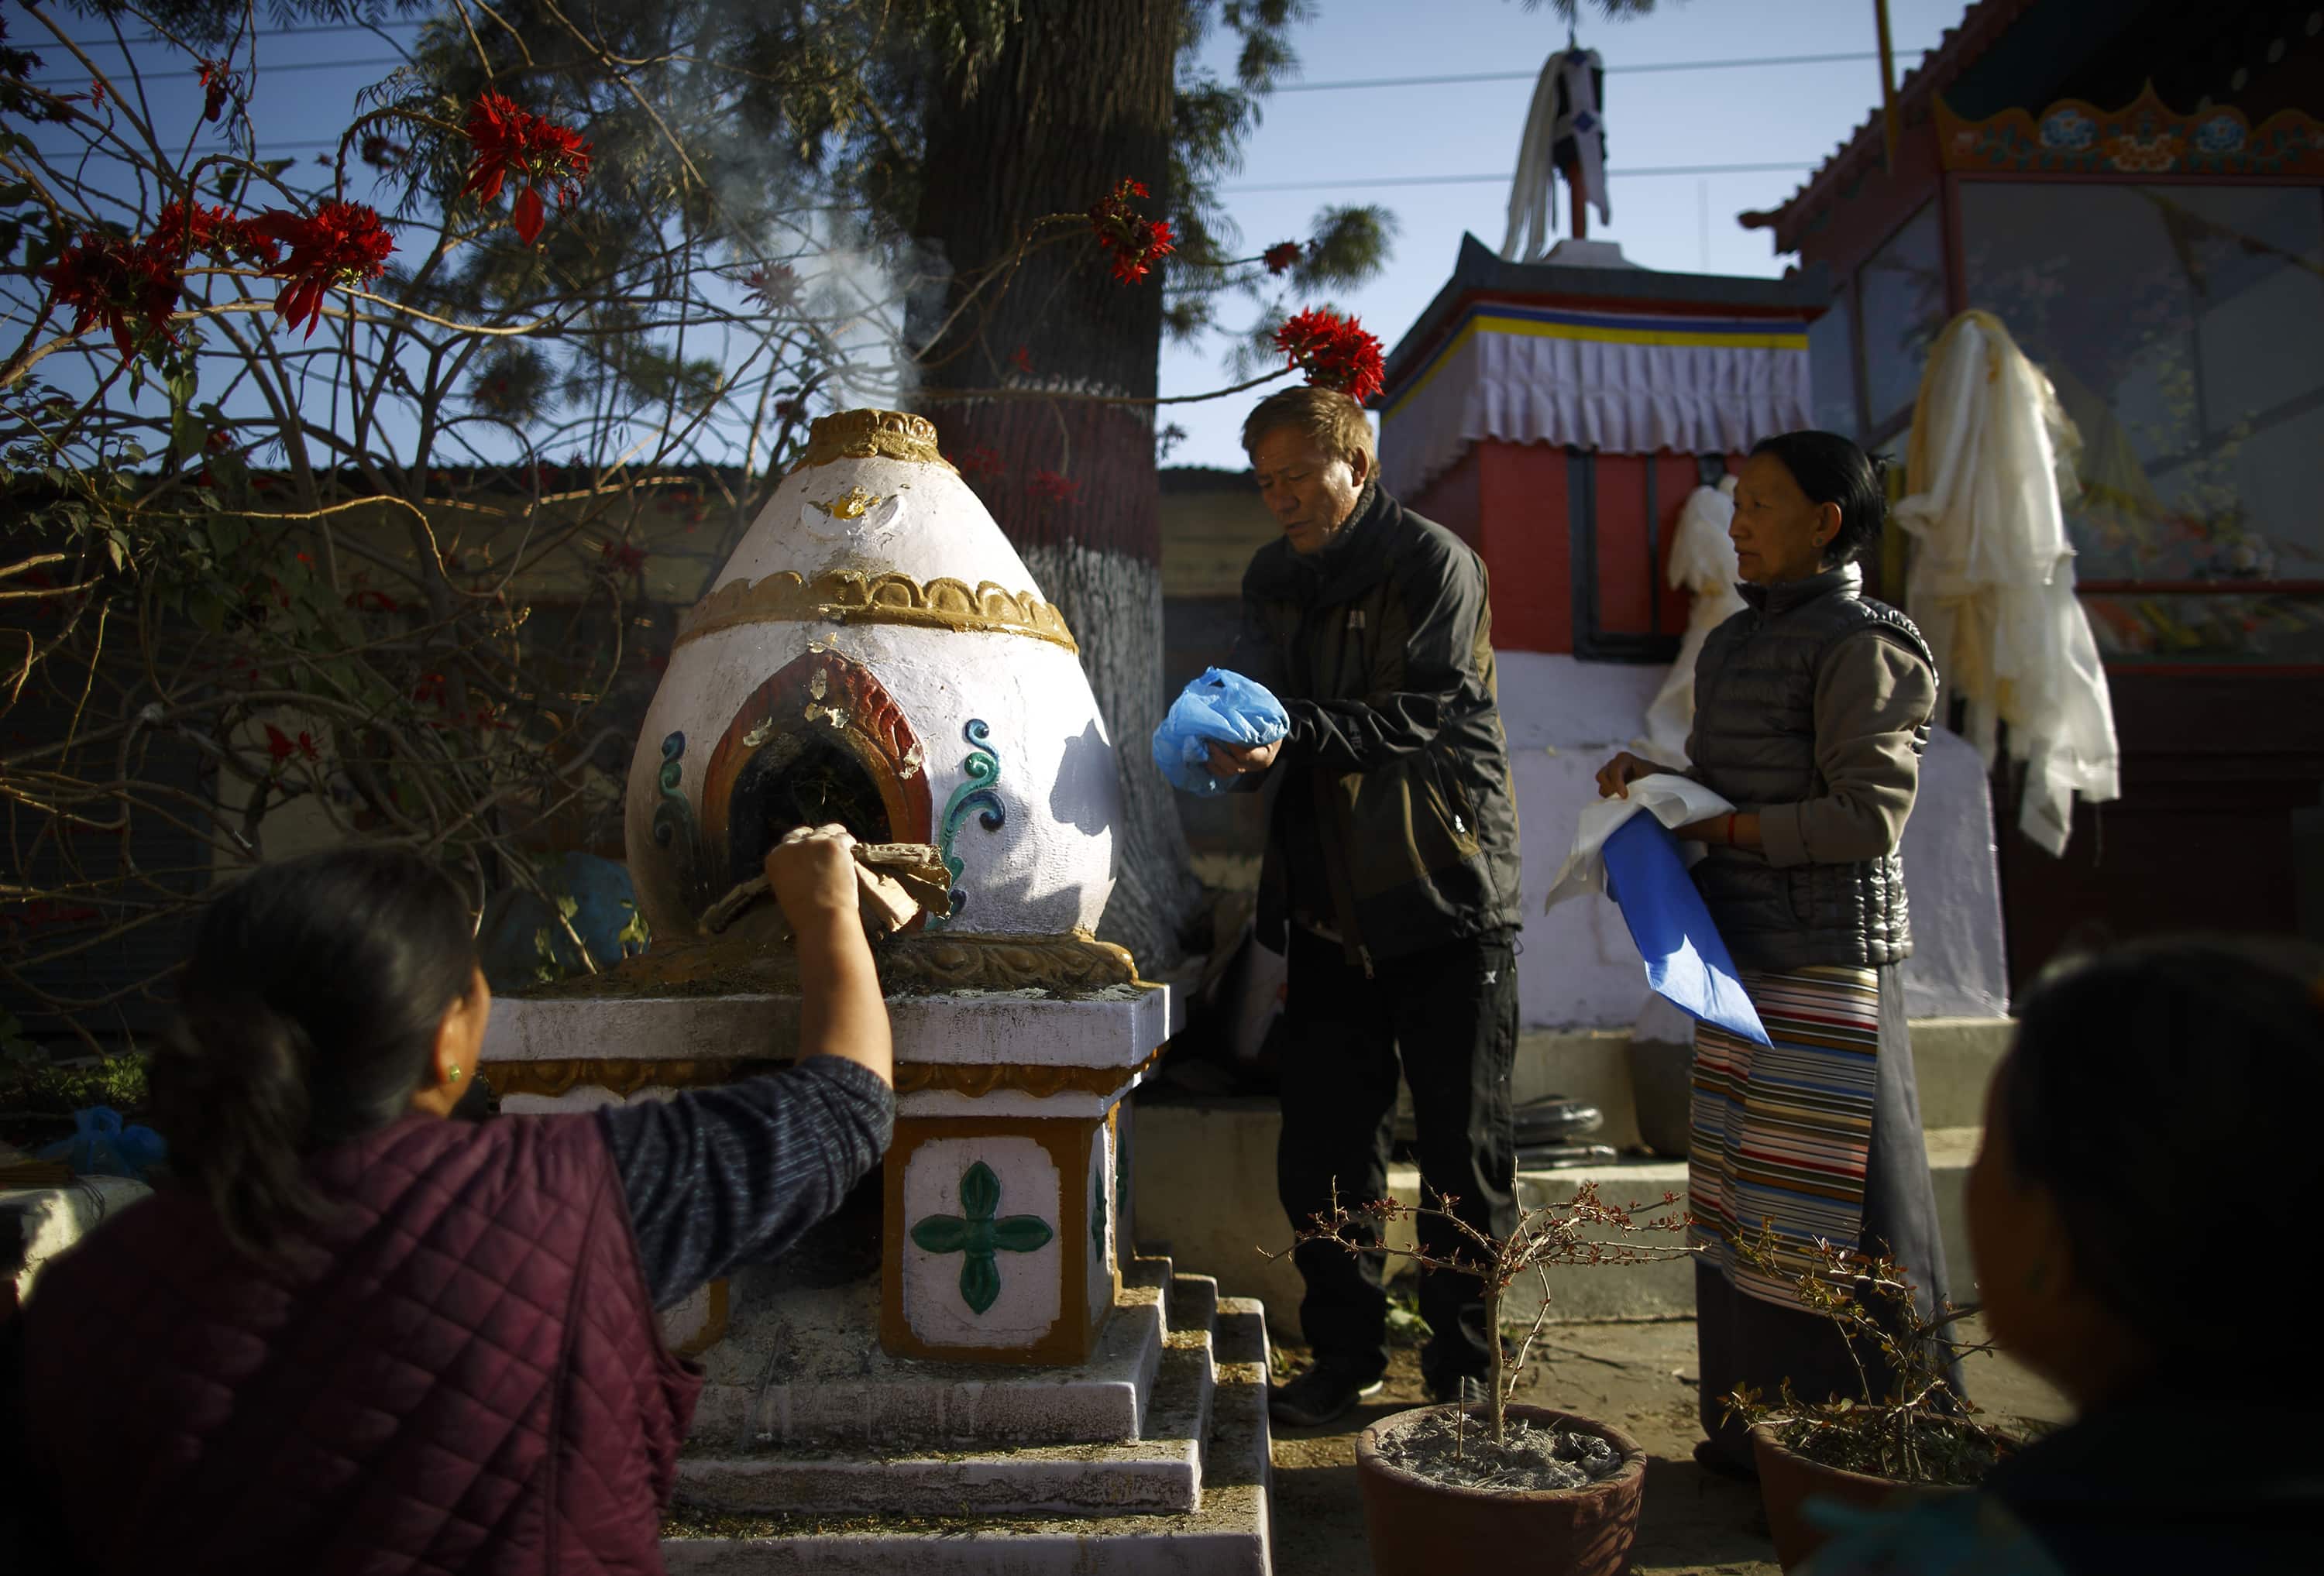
1190 1490
1007 1390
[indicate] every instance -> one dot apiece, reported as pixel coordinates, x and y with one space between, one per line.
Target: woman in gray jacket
1812 708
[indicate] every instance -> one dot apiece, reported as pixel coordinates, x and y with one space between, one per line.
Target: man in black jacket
1392 865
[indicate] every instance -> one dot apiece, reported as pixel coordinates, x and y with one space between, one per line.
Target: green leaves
980 1282
942 1234
1022 1233
980 1237
979 1192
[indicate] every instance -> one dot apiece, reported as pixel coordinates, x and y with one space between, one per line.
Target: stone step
1159 1472
1666 1289
801 1366
1205 1184
1225 1529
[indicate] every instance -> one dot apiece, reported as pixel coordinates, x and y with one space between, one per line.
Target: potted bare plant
1922 1436
1450 1489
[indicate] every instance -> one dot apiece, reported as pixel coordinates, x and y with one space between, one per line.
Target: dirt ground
1638 1375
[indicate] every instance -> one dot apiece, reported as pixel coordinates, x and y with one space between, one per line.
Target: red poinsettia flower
341 243
1135 243
1334 352
623 557
973 463
1281 256
183 228
282 746
773 287
219 85
513 141
1054 488
130 287
1022 360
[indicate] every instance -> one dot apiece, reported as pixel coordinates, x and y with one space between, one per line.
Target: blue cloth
102 1147
1219 706
1686 961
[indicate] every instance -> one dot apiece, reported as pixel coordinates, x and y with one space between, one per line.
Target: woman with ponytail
1811 706
347 1334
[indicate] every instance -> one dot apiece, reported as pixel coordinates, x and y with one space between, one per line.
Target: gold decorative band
622 1077
1018 1078
865 434
625 1078
846 596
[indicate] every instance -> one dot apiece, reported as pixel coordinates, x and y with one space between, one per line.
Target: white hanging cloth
1703 562
1565 119
1675 801
1992 579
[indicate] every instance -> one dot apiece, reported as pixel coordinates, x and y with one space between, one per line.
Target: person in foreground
349 1334
1392 865
2111 1257
1813 706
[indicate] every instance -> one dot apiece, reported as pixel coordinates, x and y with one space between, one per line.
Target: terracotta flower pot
1420 1527
1786 1480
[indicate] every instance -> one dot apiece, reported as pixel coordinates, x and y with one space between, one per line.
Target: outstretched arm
720 1177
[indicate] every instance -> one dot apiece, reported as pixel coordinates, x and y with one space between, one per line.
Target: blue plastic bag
102 1147
1687 963
1219 706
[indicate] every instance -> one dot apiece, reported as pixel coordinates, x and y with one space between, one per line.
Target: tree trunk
1080 99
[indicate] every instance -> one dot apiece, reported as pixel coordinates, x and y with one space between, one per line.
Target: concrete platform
1666 1289
37 1223
1205 1170
1200 1504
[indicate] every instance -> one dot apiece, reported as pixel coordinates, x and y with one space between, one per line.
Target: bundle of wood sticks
894 882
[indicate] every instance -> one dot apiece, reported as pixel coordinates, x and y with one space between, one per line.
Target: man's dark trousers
1450 1015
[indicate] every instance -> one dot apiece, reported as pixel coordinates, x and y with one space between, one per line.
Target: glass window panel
2209 627
1832 367
1902 293
2183 326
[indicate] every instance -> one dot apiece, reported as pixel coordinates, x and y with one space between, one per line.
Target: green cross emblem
979 1235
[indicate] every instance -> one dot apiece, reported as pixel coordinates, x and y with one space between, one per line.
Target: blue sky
1654 119
1326 144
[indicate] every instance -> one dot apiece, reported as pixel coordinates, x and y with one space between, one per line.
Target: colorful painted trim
2146 137
974 795
1779 1133
1664 329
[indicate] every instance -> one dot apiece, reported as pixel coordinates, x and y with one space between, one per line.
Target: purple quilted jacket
460 1371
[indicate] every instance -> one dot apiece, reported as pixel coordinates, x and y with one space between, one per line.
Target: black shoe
1319 1395
1469 1390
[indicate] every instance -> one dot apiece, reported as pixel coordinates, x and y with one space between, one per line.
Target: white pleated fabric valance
1619 382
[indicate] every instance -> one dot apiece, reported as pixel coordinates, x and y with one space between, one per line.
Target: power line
1640 68
1503 180
155 38
364 65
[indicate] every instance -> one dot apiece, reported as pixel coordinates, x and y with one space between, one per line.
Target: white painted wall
1579 970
